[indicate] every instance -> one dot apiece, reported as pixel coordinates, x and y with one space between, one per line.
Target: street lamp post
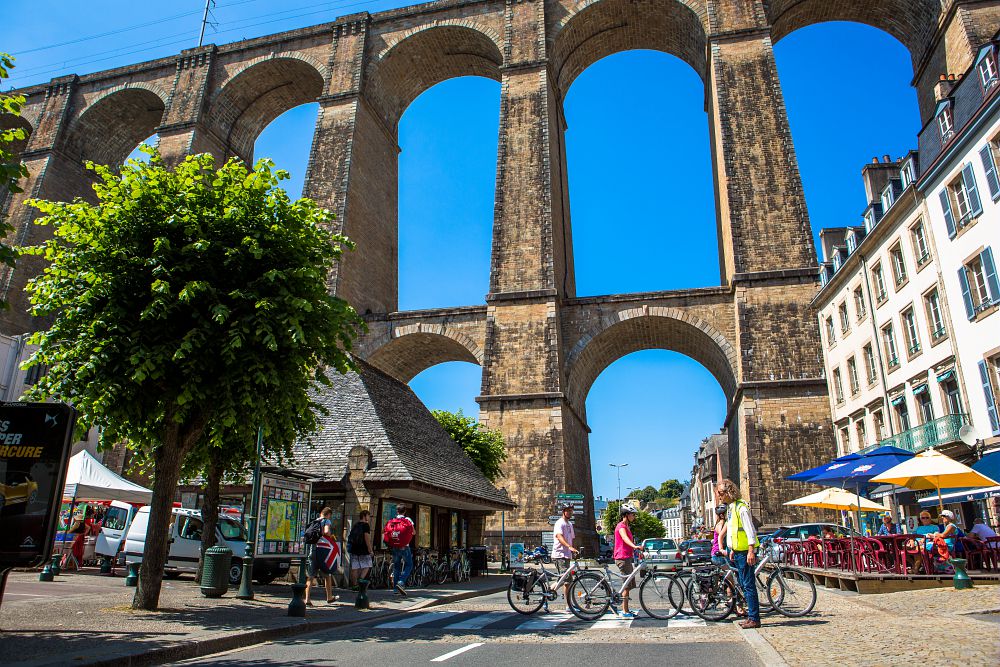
618 467
246 590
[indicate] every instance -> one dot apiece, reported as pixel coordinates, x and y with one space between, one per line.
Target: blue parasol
808 475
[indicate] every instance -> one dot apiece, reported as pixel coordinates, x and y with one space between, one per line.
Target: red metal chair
878 558
975 552
812 554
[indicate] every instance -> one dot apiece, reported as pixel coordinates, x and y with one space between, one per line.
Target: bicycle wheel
679 596
526 602
441 575
591 596
764 596
661 595
712 600
797 591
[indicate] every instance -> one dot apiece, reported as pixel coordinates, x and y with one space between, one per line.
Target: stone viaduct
539 345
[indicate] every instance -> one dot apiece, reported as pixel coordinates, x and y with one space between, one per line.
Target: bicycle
661 594
714 591
458 565
529 589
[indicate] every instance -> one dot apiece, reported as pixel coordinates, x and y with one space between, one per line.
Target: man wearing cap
563 535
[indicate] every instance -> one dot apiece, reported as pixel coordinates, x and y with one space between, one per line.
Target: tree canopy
665 496
11 167
189 305
644 527
486 448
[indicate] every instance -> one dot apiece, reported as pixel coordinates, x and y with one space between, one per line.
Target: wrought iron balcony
940 431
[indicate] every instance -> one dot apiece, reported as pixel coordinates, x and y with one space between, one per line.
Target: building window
960 201
879 423
906 174
870 363
886 197
859 304
980 288
879 280
924 404
889 345
902 413
852 376
946 125
991 403
862 433
845 440
831 334
838 386
932 304
845 320
898 265
852 243
952 396
987 154
987 68
910 331
920 243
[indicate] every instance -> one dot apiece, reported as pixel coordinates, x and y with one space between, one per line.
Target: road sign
569 496
34 448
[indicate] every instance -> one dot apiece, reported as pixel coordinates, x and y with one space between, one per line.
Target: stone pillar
51 175
183 132
522 378
353 172
779 420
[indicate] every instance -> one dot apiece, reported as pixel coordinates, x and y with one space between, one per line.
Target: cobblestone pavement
912 628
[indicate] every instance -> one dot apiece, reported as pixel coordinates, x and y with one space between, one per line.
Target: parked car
799 532
605 550
17 487
185 546
696 551
661 553
117 519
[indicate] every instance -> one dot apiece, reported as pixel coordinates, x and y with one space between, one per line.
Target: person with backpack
323 560
359 545
398 533
741 541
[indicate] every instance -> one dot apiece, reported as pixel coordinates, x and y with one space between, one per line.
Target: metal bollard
132 578
297 607
105 564
46 573
55 565
361 602
961 579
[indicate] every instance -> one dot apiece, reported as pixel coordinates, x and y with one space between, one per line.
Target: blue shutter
949 219
990 167
991 405
975 207
990 269
963 279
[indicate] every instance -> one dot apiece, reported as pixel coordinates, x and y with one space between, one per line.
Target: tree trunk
210 508
166 472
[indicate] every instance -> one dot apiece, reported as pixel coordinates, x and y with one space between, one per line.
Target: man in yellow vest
741 542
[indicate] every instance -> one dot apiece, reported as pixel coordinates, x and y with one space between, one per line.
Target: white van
116 522
185 546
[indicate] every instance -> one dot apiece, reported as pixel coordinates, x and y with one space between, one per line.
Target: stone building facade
540 346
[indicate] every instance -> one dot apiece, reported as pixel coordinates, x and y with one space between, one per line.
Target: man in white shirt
563 535
980 530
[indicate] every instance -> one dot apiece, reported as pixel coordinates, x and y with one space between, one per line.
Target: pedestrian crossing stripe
509 620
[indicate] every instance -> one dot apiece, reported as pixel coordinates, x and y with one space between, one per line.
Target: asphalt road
486 632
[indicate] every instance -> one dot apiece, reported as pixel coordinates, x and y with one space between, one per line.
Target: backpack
313 531
356 544
398 532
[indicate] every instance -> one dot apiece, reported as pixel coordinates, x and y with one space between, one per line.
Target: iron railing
940 431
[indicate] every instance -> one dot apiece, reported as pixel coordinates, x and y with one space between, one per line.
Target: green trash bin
215 572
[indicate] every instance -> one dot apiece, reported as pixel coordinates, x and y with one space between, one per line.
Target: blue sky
641 195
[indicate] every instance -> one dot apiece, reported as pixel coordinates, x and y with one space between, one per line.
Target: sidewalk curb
230 642
767 654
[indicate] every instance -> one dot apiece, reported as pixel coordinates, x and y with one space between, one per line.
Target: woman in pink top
719 537
625 547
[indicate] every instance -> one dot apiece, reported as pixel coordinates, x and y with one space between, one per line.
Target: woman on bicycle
624 553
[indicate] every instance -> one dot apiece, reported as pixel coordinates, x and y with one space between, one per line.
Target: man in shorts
563 535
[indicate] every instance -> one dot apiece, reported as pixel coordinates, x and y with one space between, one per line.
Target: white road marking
546 622
479 622
686 622
418 619
611 622
458 651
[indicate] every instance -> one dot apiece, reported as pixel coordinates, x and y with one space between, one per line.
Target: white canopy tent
87 479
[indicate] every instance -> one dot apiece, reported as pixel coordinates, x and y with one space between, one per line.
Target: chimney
944 86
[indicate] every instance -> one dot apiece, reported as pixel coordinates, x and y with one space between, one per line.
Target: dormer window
906 174
946 123
852 243
887 197
986 65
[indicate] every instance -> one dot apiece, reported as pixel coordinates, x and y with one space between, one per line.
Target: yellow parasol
837 499
933 470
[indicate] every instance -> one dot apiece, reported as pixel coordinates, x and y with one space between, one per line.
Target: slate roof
374 410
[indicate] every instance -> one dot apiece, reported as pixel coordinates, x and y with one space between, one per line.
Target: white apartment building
672 524
908 307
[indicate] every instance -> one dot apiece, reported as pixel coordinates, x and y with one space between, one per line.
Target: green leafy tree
486 448
645 495
11 167
187 302
645 525
671 489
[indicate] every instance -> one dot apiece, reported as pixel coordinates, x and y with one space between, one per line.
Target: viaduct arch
540 346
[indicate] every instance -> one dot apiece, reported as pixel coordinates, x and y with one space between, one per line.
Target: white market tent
87 479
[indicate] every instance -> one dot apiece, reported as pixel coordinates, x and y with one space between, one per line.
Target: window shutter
986 154
975 207
949 219
991 404
990 269
963 279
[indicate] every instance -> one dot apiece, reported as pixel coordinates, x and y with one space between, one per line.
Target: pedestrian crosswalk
540 622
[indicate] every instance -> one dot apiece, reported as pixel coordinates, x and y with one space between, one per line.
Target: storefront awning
920 389
947 375
961 496
899 399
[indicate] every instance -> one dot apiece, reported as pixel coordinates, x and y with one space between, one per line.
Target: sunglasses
926 517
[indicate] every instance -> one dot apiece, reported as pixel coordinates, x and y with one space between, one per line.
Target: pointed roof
409 448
